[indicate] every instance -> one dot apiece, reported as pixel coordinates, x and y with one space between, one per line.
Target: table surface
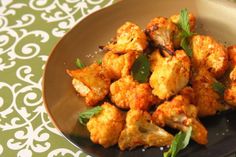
28 32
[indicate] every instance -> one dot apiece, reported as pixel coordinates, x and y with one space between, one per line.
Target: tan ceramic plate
216 18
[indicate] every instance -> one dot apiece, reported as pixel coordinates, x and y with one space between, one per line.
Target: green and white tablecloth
28 32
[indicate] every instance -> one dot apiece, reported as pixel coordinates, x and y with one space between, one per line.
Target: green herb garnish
184 23
141 69
79 64
218 87
86 115
181 140
185 45
99 61
186 32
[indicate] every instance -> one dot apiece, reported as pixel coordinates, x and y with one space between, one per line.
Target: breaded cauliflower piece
154 58
161 30
105 127
140 131
170 74
117 65
179 113
91 82
127 93
129 37
232 55
230 92
209 53
206 98
191 17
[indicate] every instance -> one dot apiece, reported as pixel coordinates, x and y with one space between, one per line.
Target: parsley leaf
218 87
79 64
86 115
181 140
186 33
99 61
184 23
141 69
185 45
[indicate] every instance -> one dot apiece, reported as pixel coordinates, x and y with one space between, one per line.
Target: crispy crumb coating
179 113
206 99
127 93
140 131
161 30
117 65
170 74
129 37
105 127
230 92
207 52
91 82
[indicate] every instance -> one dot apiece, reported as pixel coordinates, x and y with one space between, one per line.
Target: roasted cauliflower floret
170 74
230 92
129 37
206 98
127 93
161 30
140 131
105 127
191 17
210 54
180 114
91 82
118 65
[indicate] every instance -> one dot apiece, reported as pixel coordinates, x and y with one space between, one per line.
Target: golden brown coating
210 54
91 82
191 17
117 65
230 92
170 74
232 54
129 37
140 131
105 127
206 98
161 30
180 114
127 93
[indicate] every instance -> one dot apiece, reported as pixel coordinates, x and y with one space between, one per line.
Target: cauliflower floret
91 82
210 54
191 17
170 74
180 114
230 92
129 37
140 131
207 99
161 30
232 55
127 93
117 65
105 127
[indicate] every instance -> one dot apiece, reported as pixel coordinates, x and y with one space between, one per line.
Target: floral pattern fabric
28 31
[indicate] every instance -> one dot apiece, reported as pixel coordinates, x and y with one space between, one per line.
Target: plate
216 18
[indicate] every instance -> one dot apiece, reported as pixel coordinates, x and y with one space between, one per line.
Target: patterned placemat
28 32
